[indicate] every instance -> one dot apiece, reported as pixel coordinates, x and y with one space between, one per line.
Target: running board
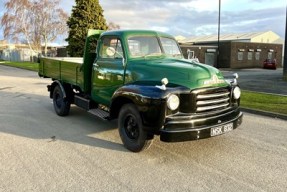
84 103
100 113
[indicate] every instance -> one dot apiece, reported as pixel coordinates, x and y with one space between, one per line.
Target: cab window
111 42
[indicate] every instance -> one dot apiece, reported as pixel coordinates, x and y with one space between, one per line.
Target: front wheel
131 130
61 104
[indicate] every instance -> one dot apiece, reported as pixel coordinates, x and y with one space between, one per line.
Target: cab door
108 71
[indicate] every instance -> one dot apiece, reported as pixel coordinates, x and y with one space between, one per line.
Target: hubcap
131 127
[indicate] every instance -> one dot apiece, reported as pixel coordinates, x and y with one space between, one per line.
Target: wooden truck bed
65 69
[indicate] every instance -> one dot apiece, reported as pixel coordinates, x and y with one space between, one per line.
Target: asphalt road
40 151
260 80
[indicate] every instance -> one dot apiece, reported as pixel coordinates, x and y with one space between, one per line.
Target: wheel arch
65 88
117 104
149 100
52 87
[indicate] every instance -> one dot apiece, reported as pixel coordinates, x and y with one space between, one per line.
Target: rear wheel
131 130
61 104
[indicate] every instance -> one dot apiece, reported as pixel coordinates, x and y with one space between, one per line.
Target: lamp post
285 52
219 8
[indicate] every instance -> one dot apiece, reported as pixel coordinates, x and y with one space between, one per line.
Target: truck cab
141 78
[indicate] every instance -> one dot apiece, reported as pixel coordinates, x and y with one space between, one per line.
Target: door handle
95 66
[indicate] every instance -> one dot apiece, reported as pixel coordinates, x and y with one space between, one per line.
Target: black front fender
150 101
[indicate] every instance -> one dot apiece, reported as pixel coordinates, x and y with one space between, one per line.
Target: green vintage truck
140 78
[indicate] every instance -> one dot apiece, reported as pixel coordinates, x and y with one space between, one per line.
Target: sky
192 17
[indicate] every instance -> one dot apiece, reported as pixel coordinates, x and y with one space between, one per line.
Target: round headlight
236 93
173 102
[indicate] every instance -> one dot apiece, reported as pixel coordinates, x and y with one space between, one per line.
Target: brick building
245 50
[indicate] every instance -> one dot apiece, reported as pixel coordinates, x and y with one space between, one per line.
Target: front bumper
195 133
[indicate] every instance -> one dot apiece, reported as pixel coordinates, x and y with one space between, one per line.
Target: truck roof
125 33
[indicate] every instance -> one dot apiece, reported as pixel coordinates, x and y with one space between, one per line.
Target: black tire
61 105
131 130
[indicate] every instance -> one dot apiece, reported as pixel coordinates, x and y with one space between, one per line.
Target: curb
264 113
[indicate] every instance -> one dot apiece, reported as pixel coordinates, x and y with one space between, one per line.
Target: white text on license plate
221 129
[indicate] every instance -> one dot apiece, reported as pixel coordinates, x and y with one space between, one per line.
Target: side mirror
110 51
235 76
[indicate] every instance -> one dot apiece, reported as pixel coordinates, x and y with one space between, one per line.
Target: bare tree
113 26
50 19
38 21
17 23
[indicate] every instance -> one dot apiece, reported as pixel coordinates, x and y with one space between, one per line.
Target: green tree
86 14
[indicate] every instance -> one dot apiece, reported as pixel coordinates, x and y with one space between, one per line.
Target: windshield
145 46
142 46
170 47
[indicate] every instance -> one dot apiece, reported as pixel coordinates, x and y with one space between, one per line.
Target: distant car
269 64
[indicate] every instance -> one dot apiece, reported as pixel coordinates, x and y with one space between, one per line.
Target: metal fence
17 55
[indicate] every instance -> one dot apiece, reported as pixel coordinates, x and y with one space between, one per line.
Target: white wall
17 55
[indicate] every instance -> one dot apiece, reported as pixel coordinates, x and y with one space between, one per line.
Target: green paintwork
89 57
75 71
177 71
63 70
107 78
103 79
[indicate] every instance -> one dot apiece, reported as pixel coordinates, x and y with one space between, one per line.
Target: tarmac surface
260 80
40 151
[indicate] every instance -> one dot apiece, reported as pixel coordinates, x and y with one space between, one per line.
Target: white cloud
200 5
159 28
196 17
193 17
238 5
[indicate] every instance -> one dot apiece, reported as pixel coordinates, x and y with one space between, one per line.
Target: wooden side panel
49 68
65 71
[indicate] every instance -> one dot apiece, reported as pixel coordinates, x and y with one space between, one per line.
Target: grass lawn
264 102
22 65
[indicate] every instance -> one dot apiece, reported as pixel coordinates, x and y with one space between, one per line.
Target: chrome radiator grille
212 100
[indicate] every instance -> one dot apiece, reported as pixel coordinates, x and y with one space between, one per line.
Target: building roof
260 37
180 38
